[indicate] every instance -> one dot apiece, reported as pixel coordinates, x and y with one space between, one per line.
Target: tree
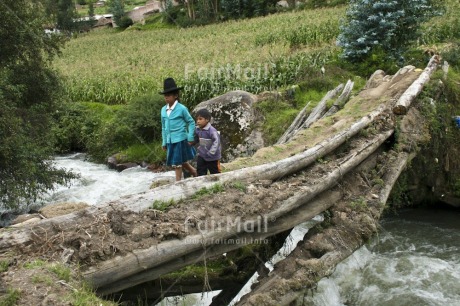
117 8
29 89
387 26
62 14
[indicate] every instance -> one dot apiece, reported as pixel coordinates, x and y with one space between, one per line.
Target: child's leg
189 168
178 171
201 166
214 166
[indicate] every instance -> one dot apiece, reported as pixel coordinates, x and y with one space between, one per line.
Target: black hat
170 86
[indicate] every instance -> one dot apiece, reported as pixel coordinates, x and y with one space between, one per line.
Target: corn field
255 55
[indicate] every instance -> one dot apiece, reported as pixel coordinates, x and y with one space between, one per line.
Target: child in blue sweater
177 131
209 148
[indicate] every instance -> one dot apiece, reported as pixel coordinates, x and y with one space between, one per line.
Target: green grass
239 185
45 279
162 205
216 188
359 204
11 298
61 271
4 266
34 264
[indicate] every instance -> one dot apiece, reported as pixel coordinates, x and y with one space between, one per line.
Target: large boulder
234 117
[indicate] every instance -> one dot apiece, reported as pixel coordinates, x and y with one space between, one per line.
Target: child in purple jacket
209 148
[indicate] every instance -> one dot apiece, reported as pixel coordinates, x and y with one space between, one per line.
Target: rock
124 166
233 116
112 162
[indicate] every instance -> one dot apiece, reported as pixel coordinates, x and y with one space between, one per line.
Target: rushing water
97 183
413 261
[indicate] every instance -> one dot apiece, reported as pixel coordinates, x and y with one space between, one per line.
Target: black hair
204 113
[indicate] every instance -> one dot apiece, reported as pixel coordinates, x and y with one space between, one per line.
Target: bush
383 25
125 22
102 130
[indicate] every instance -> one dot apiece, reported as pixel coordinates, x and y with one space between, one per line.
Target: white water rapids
415 259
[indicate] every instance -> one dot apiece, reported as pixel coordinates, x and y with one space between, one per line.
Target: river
414 260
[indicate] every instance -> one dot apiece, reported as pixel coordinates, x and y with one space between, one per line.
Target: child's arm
215 143
163 130
191 126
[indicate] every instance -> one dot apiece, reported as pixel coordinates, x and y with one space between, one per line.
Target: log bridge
319 161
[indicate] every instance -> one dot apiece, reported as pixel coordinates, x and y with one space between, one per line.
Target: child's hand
164 148
191 143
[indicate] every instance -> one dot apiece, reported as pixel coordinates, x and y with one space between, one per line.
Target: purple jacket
209 147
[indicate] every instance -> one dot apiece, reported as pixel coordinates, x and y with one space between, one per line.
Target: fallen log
341 100
284 223
320 109
416 87
295 125
141 260
308 271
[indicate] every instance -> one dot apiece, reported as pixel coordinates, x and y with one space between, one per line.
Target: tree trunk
416 87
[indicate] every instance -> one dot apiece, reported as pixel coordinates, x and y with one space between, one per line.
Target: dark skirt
179 153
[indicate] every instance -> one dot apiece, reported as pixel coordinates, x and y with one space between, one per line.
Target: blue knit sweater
178 126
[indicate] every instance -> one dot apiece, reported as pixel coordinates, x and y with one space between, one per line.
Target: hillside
113 67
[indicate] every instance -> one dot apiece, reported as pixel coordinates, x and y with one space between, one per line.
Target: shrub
125 22
385 25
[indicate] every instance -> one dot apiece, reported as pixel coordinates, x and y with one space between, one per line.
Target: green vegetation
4 266
163 205
34 264
216 188
49 274
11 297
115 67
29 93
239 185
42 279
134 130
359 204
61 271
382 28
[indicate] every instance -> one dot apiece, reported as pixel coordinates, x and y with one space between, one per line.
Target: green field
114 67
